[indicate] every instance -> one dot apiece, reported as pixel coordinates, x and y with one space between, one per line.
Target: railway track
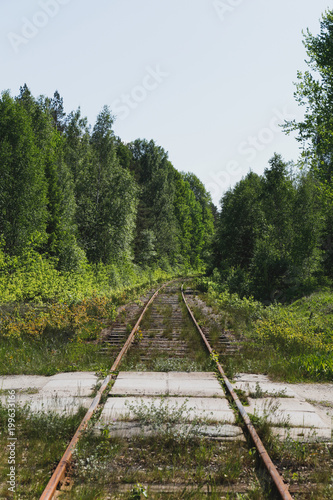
161 334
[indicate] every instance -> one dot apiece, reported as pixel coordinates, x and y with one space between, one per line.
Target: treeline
274 236
77 194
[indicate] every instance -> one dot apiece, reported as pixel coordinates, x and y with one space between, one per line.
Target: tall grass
41 440
292 341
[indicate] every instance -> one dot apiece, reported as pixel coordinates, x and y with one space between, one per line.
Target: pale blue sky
207 80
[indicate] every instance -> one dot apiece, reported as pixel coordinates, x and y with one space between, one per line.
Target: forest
81 211
76 197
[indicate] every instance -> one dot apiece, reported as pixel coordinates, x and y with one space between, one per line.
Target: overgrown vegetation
305 464
273 234
176 455
293 342
42 438
56 337
167 341
85 222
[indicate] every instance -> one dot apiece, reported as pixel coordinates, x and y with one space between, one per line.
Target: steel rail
60 471
278 481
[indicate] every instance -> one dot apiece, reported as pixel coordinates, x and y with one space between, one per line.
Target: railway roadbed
165 424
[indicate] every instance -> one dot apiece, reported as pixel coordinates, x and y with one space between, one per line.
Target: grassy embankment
291 342
50 321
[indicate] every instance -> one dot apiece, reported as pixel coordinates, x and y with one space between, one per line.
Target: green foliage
32 277
155 176
246 308
137 492
293 341
175 221
202 218
269 235
47 120
106 196
23 212
28 277
240 222
292 334
77 197
314 91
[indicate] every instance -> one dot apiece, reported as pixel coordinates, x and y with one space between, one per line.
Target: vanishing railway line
159 334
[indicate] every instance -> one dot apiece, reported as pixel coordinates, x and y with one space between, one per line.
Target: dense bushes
32 277
292 341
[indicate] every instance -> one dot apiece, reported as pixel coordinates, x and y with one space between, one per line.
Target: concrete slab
131 429
168 375
303 434
142 375
285 404
251 377
62 393
74 376
192 376
140 386
195 388
268 387
313 392
167 383
216 409
65 387
37 403
222 431
21 382
297 413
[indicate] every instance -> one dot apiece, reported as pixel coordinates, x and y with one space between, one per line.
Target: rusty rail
60 471
277 479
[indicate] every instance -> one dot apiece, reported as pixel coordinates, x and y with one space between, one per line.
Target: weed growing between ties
192 336
41 441
176 453
307 465
169 324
